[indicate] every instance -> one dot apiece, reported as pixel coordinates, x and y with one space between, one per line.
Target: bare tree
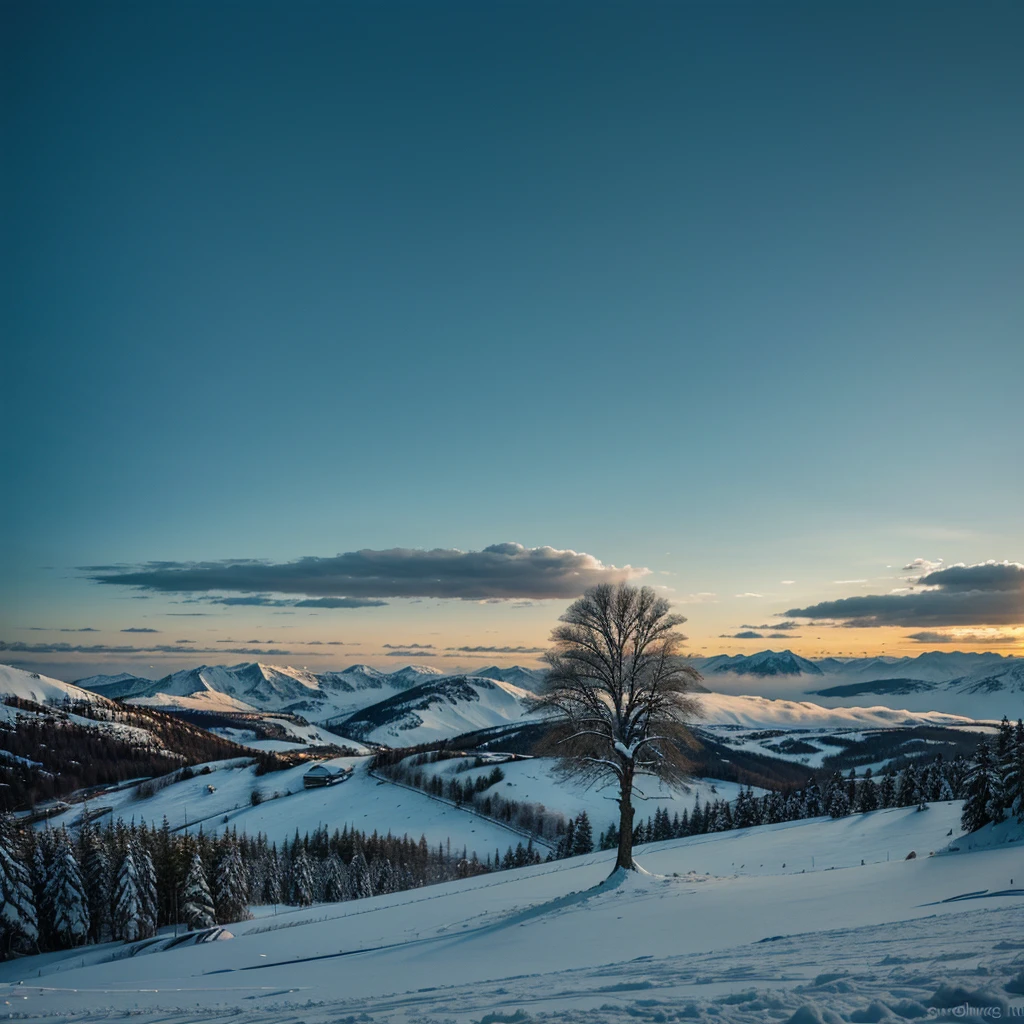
619 695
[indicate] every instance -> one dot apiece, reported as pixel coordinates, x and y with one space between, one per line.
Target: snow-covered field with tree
750 925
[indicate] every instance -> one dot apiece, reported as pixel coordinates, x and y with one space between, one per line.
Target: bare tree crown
617 688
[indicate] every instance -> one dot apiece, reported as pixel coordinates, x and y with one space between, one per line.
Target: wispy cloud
502 571
57 648
408 647
776 626
971 637
498 650
139 629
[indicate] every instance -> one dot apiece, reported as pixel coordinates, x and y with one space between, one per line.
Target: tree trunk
625 858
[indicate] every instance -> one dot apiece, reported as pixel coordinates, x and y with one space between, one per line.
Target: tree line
123 882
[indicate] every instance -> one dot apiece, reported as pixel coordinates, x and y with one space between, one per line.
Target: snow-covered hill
448 706
802 922
16 682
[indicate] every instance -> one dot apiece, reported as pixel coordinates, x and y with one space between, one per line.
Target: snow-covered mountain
447 706
525 678
1006 678
258 687
764 663
16 682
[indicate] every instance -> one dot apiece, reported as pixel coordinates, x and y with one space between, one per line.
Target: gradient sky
730 292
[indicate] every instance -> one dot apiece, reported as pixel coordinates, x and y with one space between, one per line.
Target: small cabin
325 775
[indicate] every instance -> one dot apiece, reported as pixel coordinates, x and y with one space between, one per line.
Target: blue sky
731 293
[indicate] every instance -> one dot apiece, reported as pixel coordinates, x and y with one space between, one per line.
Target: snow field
734 943
361 801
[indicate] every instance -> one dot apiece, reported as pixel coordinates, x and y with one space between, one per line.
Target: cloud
408 647
750 594
340 602
748 634
787 583
498 650
843 583
783 636
406 654
988 637
773 625
922 566
502 571
139 629
81 629
984 594
24 648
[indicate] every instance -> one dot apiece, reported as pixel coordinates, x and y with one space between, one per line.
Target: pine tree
360 885
128 910
66 898
812 800
148 895
982 804
272 878
18 925
96 873
334 879
867 797
231 885
1013 774
300 882
908 789
583 840
838 800
196 902
887 790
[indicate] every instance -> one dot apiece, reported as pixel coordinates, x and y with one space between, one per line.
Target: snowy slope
448 706
16 682
286 805
739 926
533 780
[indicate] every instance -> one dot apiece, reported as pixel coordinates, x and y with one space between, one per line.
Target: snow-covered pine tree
776 808
196 902
96 874
983 783
382 877
812 800
1013 774
18 925
867 795
908 788
743 816
334 879
300 879
359 884
231 885
65 896
150 917
128 909
887 790
838 805
272 878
